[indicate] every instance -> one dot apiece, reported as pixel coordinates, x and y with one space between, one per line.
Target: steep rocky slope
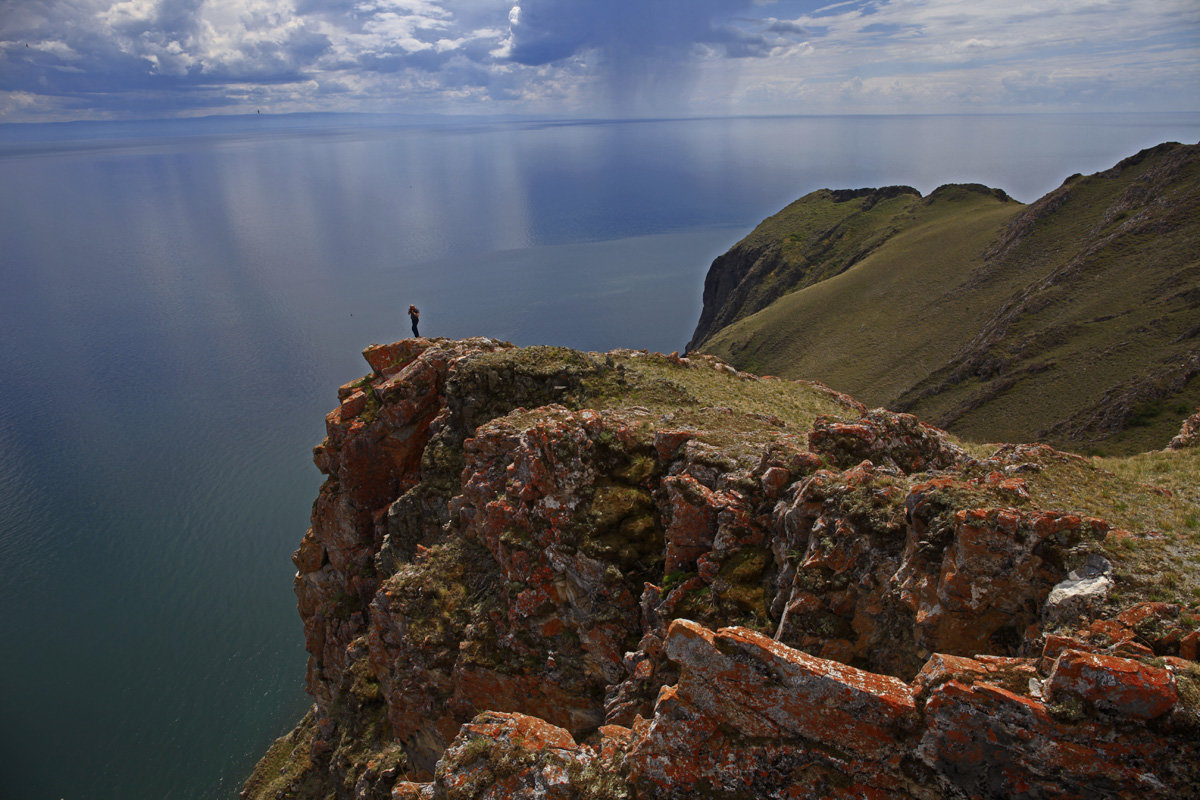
542 573
1072 320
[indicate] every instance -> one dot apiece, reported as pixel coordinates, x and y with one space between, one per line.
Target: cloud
786 27
644 52
66 58
89 52
945 55
544 31
923 31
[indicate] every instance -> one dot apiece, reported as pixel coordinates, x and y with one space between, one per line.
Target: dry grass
1153 499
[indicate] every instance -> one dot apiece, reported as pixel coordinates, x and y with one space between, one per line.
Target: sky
131 59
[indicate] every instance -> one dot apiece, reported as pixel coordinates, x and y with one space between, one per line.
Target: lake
181 300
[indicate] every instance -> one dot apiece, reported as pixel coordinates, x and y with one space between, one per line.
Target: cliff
542 573
1071 320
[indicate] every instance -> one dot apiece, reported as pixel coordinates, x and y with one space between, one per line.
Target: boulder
1082 592
1189 433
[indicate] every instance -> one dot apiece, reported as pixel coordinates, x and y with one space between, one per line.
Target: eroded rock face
547 611
752 718
548 574
991 580
371 454
887 439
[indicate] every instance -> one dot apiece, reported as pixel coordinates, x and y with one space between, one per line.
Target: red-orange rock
388 359
986 741
309 556
1130 649
1135 615
1112 685
1190 645
667 443
370 461
886 439
942 667
745 706
353 404
993 575
499 755
773 480
1055 645
477 689
691 520
482 548
1111 629
842 542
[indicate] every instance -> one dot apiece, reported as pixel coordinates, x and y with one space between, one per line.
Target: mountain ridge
1103 263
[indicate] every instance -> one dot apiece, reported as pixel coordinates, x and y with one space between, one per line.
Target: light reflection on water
181 299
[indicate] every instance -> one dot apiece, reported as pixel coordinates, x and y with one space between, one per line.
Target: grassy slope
1120 257
1155 492
823 233
871 329
814 238
731 411
1067 321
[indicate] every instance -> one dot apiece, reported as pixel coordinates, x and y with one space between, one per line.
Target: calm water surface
180 300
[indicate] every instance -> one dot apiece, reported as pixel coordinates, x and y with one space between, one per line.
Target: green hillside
1074 320
814 238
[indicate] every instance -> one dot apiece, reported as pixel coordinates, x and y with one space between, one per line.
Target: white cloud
599 56
16 101
60 50
130 12
937 55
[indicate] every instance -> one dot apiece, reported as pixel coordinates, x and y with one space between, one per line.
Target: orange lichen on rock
521 582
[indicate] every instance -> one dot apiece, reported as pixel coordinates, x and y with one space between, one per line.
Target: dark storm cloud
544 31
644 52
786 27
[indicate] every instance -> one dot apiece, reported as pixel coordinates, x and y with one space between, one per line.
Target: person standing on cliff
414 314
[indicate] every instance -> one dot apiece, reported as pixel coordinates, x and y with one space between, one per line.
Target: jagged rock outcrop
540 573
749 717
1189 433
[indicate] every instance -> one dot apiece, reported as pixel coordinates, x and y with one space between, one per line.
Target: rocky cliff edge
541 573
